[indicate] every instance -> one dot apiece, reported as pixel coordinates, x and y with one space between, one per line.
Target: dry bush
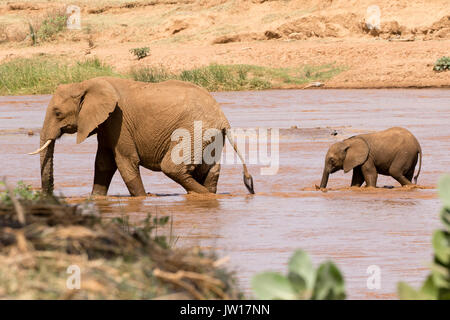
40 239
3 33
10 33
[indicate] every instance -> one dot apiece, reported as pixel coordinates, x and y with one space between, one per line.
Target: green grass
42 75
151 74
241 77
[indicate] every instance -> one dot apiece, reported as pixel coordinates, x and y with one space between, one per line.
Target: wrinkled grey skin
392 152
134 122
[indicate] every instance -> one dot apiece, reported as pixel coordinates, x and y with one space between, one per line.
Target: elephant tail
248 180
420 165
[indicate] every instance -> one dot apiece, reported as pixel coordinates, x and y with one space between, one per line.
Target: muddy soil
356 228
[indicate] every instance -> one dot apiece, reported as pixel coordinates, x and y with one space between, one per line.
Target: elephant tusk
41 148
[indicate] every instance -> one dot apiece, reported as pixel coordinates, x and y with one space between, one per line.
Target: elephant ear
98 99
357 153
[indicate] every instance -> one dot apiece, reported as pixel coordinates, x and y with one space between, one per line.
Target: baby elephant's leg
410 174
370 173
401 167
357 178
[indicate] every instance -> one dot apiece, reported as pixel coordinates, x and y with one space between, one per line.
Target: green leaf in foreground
303 281
406 292
441 246
302 273
329 283
444 190
437 284
272 286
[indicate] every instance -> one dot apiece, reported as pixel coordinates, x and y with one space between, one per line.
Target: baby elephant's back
402 136
396 139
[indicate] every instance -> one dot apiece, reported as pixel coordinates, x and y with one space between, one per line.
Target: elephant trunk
50 132
325 175
47 167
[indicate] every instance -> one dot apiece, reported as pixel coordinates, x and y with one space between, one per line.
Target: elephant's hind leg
181 174
409 175
207 175
105 167
400 168
212 178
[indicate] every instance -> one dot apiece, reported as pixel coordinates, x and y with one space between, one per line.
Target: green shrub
437 284
302 282
442 64
217 77
22 192
45 28
140 53
151 74
52 25
148 229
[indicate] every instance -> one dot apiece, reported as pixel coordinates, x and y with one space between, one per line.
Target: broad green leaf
429 289
441 245
444 190
445 218
444 294
440 275
302 273
329 283
272 286
406 292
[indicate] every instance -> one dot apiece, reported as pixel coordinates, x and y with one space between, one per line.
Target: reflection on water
390 228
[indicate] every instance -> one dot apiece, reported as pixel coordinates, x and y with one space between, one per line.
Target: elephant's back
187 102
393 140
402 135
154 112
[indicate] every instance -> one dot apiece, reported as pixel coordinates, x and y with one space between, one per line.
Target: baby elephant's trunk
325 175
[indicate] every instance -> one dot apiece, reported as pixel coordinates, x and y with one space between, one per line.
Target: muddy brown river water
389 228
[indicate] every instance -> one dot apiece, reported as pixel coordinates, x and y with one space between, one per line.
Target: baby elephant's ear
98 99
357 153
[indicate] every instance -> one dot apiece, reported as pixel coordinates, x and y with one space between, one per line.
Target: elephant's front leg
129 170
357 178
105 167
370 173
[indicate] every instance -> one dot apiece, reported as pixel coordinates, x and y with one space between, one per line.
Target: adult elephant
134 122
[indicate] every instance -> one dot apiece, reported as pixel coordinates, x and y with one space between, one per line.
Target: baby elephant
392 152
